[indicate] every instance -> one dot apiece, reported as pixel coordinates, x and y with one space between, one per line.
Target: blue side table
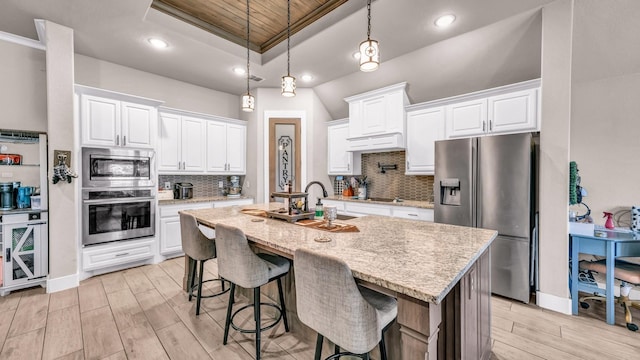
616 244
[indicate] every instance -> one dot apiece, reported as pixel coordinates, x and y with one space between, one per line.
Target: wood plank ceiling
228 19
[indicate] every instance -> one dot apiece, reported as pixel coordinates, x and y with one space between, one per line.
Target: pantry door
284 153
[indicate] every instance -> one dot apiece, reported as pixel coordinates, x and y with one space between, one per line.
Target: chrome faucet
306 189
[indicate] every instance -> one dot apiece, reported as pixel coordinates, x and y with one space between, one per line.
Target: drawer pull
122 254
412 214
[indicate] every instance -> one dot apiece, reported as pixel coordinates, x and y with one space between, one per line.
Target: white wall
176 94
23 92
499 54
270 100
605 120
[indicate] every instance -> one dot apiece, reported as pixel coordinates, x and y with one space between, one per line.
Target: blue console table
617 244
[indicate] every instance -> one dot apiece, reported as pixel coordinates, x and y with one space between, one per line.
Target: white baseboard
553 302
62 283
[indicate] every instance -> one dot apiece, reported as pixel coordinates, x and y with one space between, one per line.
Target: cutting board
323 225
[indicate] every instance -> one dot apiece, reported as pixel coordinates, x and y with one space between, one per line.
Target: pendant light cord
368 19
248 46
288 37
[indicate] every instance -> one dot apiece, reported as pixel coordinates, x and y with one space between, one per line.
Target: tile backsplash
393 182
203 185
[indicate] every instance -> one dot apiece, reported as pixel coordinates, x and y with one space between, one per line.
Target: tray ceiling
228 19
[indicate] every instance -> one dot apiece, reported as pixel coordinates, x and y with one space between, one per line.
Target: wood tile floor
142 313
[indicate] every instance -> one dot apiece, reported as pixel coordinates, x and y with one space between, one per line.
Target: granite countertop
200 199
408 203
420 259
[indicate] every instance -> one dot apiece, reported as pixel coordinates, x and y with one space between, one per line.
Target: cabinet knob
118 140
124 140
490 125
484 126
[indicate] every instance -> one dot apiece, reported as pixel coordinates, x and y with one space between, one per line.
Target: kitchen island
439 274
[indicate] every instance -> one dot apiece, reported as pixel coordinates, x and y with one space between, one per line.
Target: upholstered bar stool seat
199 248
238 264
330 302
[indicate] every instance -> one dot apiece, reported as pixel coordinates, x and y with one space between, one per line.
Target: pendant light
288 81
248 101
369 50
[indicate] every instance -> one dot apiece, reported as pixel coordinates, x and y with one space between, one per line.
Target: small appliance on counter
183 191
234 189
10 159
6 196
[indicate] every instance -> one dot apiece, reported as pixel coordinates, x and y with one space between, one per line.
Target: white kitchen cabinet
117 253
182 145
362 208
226 148
412 213
109 119
513 112
170 238
25 250
467 118
340 161
425 126
507 109
377 119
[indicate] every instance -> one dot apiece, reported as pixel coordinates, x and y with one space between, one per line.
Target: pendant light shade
369 49
248 101
288 81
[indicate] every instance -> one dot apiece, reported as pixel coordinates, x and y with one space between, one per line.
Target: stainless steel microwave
117 168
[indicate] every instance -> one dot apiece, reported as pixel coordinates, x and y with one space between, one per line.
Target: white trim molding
20 40
553 302
294 114
62 283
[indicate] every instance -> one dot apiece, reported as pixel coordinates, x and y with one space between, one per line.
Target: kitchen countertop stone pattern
200 200
420 259
407 203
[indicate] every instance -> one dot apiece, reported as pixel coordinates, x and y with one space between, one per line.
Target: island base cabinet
465 332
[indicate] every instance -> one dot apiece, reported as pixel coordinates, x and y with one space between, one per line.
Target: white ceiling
117 30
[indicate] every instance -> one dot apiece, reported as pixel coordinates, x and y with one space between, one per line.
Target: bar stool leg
284 309
336 349
256 315
228 321
193 278
318 347
383 348
199 296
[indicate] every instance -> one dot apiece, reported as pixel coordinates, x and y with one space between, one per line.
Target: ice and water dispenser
450 192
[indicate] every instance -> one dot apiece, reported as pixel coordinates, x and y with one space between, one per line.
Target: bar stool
330 302
239 265
199 248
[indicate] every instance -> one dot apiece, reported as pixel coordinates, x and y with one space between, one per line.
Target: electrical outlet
220 184
167 185
247 184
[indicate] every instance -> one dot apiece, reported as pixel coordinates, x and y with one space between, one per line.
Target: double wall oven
118 196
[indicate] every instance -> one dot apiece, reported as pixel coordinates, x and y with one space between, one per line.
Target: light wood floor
142 313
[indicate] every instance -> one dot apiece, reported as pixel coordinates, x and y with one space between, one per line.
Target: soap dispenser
319 210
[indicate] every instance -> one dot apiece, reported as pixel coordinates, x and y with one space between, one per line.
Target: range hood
377 119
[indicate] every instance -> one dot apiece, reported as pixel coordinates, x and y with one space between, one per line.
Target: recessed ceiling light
239 70
306 77
445 20
356 55
158 43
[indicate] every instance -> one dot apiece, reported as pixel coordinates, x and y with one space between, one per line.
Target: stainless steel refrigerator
489 182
